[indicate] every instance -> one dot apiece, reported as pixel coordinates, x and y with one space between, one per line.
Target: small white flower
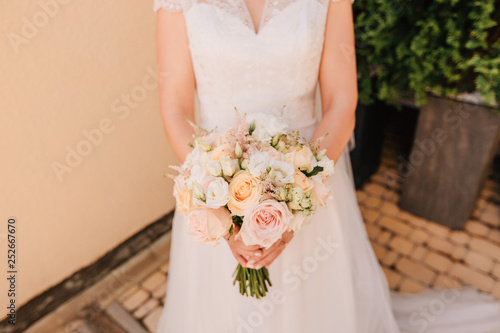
306 203
217 194
295 196
328 166
203 144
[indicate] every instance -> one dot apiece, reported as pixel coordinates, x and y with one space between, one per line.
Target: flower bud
244 163
321 154
280 146
252 127
238 151
275 139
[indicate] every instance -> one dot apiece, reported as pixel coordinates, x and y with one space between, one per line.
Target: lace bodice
262 71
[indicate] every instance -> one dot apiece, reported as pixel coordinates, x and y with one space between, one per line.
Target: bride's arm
338 80
177 81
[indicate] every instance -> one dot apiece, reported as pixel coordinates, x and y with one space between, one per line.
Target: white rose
283 172
229 166
217 193
266 126
258 164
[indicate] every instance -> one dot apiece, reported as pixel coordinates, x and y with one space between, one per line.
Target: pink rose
321 191
265 222
206 225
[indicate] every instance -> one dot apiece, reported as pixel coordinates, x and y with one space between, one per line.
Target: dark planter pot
453 148
368 138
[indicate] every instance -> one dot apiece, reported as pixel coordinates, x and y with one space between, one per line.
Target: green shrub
411 48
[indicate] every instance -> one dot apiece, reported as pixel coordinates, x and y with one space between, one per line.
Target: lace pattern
171 5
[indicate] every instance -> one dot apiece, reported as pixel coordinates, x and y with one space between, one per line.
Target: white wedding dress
328 278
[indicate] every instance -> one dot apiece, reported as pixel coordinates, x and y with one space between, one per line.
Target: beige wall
69 74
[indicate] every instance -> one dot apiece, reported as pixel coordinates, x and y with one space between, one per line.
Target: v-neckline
247 11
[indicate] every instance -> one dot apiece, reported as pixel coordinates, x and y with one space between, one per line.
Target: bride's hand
244 254
270 254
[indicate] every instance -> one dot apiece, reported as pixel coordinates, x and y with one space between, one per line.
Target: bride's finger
241 260
246 253
270 256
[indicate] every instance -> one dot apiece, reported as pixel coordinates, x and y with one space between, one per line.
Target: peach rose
244 191
302 181
206 225
185 202
321 191
264 223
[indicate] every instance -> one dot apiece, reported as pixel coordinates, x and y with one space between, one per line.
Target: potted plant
445 55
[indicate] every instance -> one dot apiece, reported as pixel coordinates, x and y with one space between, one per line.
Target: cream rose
302 158
302 181
264 223
206 225
244 190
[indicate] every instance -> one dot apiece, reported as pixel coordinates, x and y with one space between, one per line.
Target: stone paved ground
414 253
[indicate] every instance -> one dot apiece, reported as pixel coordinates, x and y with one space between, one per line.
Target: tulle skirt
326 280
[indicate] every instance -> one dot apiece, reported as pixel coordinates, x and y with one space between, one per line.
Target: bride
257 56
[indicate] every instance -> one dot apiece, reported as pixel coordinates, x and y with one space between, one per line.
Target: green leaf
315 171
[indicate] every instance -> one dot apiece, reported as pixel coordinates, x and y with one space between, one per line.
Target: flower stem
252 281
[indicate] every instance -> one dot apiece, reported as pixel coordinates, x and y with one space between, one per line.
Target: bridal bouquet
255 174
